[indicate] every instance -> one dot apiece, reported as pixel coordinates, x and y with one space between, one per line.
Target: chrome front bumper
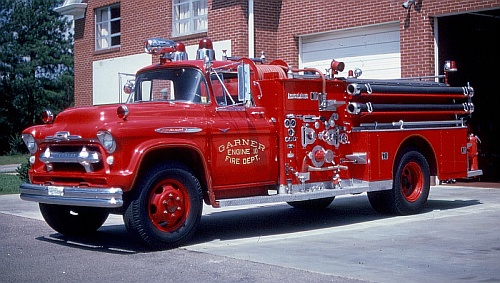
73 196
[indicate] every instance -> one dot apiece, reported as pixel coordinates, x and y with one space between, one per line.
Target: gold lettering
242 147
253 143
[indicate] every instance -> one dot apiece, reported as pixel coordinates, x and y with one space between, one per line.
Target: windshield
174 85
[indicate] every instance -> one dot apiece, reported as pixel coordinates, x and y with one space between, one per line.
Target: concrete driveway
455 239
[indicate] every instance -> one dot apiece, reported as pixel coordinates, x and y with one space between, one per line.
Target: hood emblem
63 136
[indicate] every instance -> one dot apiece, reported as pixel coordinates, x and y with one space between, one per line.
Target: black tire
380 201
410 189
73 220
312 203
166 207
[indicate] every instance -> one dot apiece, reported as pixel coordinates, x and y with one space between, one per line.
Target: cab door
243 148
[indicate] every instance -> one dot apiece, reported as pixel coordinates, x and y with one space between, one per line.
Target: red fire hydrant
472 152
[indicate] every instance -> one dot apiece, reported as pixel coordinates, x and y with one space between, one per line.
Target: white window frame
186 23
103 35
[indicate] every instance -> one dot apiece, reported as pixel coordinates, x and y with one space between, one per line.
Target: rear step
474 173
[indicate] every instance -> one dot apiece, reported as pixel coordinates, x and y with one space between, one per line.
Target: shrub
22 171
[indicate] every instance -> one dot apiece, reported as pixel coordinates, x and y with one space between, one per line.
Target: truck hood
143 117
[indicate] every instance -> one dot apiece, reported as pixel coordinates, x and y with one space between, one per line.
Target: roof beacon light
180 53
450 66
205 49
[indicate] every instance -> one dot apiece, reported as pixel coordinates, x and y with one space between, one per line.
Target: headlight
107 141
30 142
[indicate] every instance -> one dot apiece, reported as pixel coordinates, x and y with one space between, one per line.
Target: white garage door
108 79
373 49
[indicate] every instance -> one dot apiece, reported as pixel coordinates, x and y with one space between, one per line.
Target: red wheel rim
411 181
169 205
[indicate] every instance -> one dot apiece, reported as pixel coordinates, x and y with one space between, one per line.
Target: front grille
71 158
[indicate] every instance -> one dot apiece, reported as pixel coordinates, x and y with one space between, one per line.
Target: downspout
436 48
251 33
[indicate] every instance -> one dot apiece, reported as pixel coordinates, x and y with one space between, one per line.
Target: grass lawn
9 184
13 159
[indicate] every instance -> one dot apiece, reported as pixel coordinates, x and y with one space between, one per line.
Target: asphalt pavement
455 239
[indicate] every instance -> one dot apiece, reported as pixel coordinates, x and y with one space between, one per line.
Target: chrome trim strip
82 156
311 191
75 196
400 125
358 157
177 130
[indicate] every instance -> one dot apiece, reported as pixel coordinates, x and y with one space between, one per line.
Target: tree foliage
36 65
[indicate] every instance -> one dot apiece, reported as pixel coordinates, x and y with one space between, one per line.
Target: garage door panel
374 67
353 51
374 49
352 41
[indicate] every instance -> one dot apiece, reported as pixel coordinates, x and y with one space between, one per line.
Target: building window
189 16
107 27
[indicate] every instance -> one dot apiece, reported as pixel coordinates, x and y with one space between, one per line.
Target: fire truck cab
240 131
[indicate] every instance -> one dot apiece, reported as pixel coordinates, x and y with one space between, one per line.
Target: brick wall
278 24
139 19
266 21
417 24
227 19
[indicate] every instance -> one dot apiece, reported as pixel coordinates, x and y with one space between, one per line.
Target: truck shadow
283 219
256 221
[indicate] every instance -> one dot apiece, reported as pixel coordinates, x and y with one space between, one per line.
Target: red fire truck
238 131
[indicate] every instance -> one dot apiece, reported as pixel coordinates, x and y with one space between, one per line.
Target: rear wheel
410 189
166 208
73 220
380 201
312 203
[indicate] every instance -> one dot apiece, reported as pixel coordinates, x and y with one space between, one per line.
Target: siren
158 45
336 67
205 49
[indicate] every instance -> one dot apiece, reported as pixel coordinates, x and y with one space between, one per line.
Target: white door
374 49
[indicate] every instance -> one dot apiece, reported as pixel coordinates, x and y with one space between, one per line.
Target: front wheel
166 208
73 220
410 189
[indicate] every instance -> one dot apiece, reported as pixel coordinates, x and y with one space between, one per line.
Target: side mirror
129 86
244 82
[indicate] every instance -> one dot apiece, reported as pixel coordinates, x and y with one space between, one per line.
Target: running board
308 195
